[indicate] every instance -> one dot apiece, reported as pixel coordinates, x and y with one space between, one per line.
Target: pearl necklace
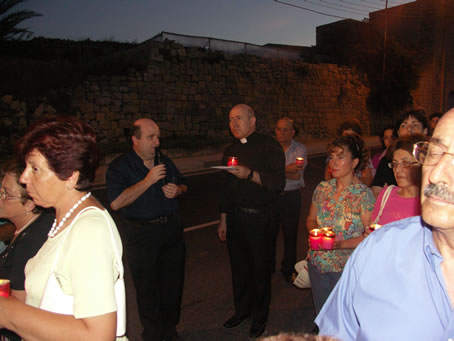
54 229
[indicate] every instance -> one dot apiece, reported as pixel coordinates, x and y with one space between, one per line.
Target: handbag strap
383 202
115 248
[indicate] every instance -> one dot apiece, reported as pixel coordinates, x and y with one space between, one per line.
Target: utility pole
385 41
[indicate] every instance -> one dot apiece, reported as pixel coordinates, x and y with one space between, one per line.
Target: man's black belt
159 220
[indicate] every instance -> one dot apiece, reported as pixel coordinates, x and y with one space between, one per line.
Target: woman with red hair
74 284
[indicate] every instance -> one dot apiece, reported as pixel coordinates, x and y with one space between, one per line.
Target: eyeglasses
429 153
6 196
404 163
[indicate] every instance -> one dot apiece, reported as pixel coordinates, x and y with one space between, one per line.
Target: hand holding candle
232 161
300 161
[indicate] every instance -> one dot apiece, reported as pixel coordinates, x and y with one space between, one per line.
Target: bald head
285 131
142 122
145 138
244 108
242 121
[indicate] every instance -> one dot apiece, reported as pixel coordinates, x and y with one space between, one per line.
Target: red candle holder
232 161
328 240
315 238
4 287
300 161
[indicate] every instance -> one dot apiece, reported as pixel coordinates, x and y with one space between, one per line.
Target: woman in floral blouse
344 204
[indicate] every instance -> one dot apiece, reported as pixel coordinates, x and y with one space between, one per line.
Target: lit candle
299 161
328 240
373 227
326 229
315 238
232 161
4 287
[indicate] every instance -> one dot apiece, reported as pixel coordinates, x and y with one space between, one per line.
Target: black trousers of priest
248 241
156 258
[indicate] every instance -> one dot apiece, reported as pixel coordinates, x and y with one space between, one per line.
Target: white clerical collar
243 140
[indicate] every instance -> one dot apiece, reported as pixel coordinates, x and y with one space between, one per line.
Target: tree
9 21
361 45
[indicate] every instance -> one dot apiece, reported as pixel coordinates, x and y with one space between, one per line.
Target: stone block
103 100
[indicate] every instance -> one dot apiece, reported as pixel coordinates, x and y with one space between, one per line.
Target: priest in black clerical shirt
248 193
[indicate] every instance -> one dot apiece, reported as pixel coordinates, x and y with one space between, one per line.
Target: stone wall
189 92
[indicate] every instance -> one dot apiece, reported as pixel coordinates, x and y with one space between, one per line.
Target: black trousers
286 216
248 242
156 257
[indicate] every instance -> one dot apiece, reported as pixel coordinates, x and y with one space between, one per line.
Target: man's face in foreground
437 197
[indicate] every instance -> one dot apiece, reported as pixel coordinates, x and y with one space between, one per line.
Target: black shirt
26 245
127 170
384 174
265 156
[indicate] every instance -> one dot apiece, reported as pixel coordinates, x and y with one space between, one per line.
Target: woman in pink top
404 199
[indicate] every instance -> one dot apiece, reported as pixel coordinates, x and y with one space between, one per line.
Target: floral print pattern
343 216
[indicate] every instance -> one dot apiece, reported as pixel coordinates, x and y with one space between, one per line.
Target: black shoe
257 329
234 321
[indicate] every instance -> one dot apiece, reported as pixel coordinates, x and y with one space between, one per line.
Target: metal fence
227 46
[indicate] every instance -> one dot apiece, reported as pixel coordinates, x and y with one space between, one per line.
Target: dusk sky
253 21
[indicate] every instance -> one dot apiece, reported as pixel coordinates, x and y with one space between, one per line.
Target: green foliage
390 86
364 49
9 21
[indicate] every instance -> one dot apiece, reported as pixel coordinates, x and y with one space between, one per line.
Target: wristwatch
251 174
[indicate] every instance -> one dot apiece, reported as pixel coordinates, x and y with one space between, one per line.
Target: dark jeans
248 242
321 284
286 215
156 257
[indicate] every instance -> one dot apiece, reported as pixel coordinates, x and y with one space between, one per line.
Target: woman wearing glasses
343 204
401 201
32 226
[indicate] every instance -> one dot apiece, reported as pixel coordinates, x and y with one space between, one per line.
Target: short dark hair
355 145
420 115
67 144
136 131
352 124
406 143
382 135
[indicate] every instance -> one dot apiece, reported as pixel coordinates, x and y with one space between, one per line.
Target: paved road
207 299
